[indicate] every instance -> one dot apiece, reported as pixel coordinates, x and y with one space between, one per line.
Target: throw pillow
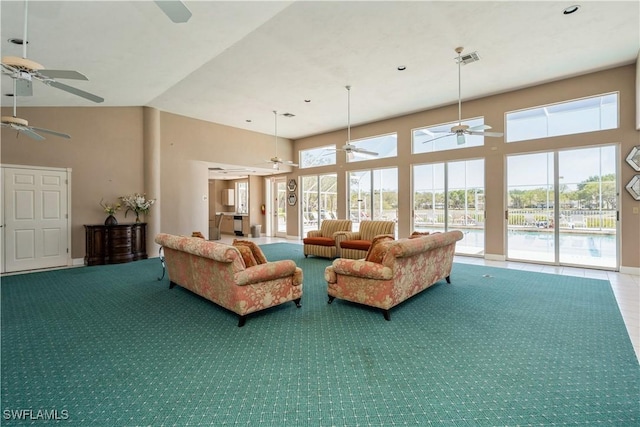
247 255
377 250
255 250
417 234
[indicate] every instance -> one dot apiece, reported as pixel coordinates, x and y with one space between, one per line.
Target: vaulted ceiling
233 63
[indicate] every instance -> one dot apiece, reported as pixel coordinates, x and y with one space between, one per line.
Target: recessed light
248 120
307 100
288 115
16 40
401 67
571 9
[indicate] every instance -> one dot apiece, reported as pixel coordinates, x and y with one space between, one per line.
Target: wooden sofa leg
297 302
241 320
387 315
331 299
171 284
449 279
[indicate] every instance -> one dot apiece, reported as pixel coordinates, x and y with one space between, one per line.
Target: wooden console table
114 244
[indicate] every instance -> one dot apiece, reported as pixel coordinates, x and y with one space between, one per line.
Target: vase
111 220
137 218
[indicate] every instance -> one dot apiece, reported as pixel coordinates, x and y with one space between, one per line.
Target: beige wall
494 152
110 155
105 155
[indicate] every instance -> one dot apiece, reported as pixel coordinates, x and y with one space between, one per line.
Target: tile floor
626 287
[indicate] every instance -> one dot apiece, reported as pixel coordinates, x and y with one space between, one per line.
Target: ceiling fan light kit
349 148
275 160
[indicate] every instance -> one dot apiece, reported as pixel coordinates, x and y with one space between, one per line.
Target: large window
382 145
373 195
314 157
566 118
439 137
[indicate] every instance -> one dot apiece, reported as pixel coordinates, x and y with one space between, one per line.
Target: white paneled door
35 218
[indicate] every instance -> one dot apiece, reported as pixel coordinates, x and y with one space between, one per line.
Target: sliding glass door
562 207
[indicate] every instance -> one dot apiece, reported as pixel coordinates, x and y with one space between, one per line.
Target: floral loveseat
217 272
407 267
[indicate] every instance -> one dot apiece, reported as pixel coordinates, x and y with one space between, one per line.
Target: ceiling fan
175 10
24 71
22 126
275 160
461 130
349 148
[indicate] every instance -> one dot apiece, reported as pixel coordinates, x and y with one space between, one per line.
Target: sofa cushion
377 251
362 245
320 241
255 250
417 234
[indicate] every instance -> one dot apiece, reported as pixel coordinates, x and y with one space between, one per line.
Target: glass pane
428 197
309 203
359 197
530 207
385 195
318 157
565 118
328 197
588 206
465 187
281 191
383 146
242 199
439 138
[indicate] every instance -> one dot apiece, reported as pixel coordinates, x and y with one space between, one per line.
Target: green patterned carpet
111 345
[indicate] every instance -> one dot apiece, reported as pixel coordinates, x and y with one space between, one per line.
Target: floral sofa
218 273
406 267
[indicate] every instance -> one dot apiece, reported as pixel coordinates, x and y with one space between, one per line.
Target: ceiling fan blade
52 132
290 163
365 152
493 134
439 137
478 128
23 88
175 10
31 134
62 74
74 91
460 138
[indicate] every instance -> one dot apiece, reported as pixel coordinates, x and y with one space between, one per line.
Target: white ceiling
238 61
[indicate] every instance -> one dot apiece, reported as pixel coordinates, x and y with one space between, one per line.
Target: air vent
288 115
468 58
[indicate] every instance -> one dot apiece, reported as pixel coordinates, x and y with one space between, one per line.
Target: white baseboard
77 261
634 271
495 257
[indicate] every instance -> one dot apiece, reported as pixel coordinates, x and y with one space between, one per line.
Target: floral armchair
355 244
394 270
219 273
323 242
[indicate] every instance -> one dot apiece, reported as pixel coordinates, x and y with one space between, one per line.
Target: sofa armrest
265 272
351 235
340 236
361 268
314 233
